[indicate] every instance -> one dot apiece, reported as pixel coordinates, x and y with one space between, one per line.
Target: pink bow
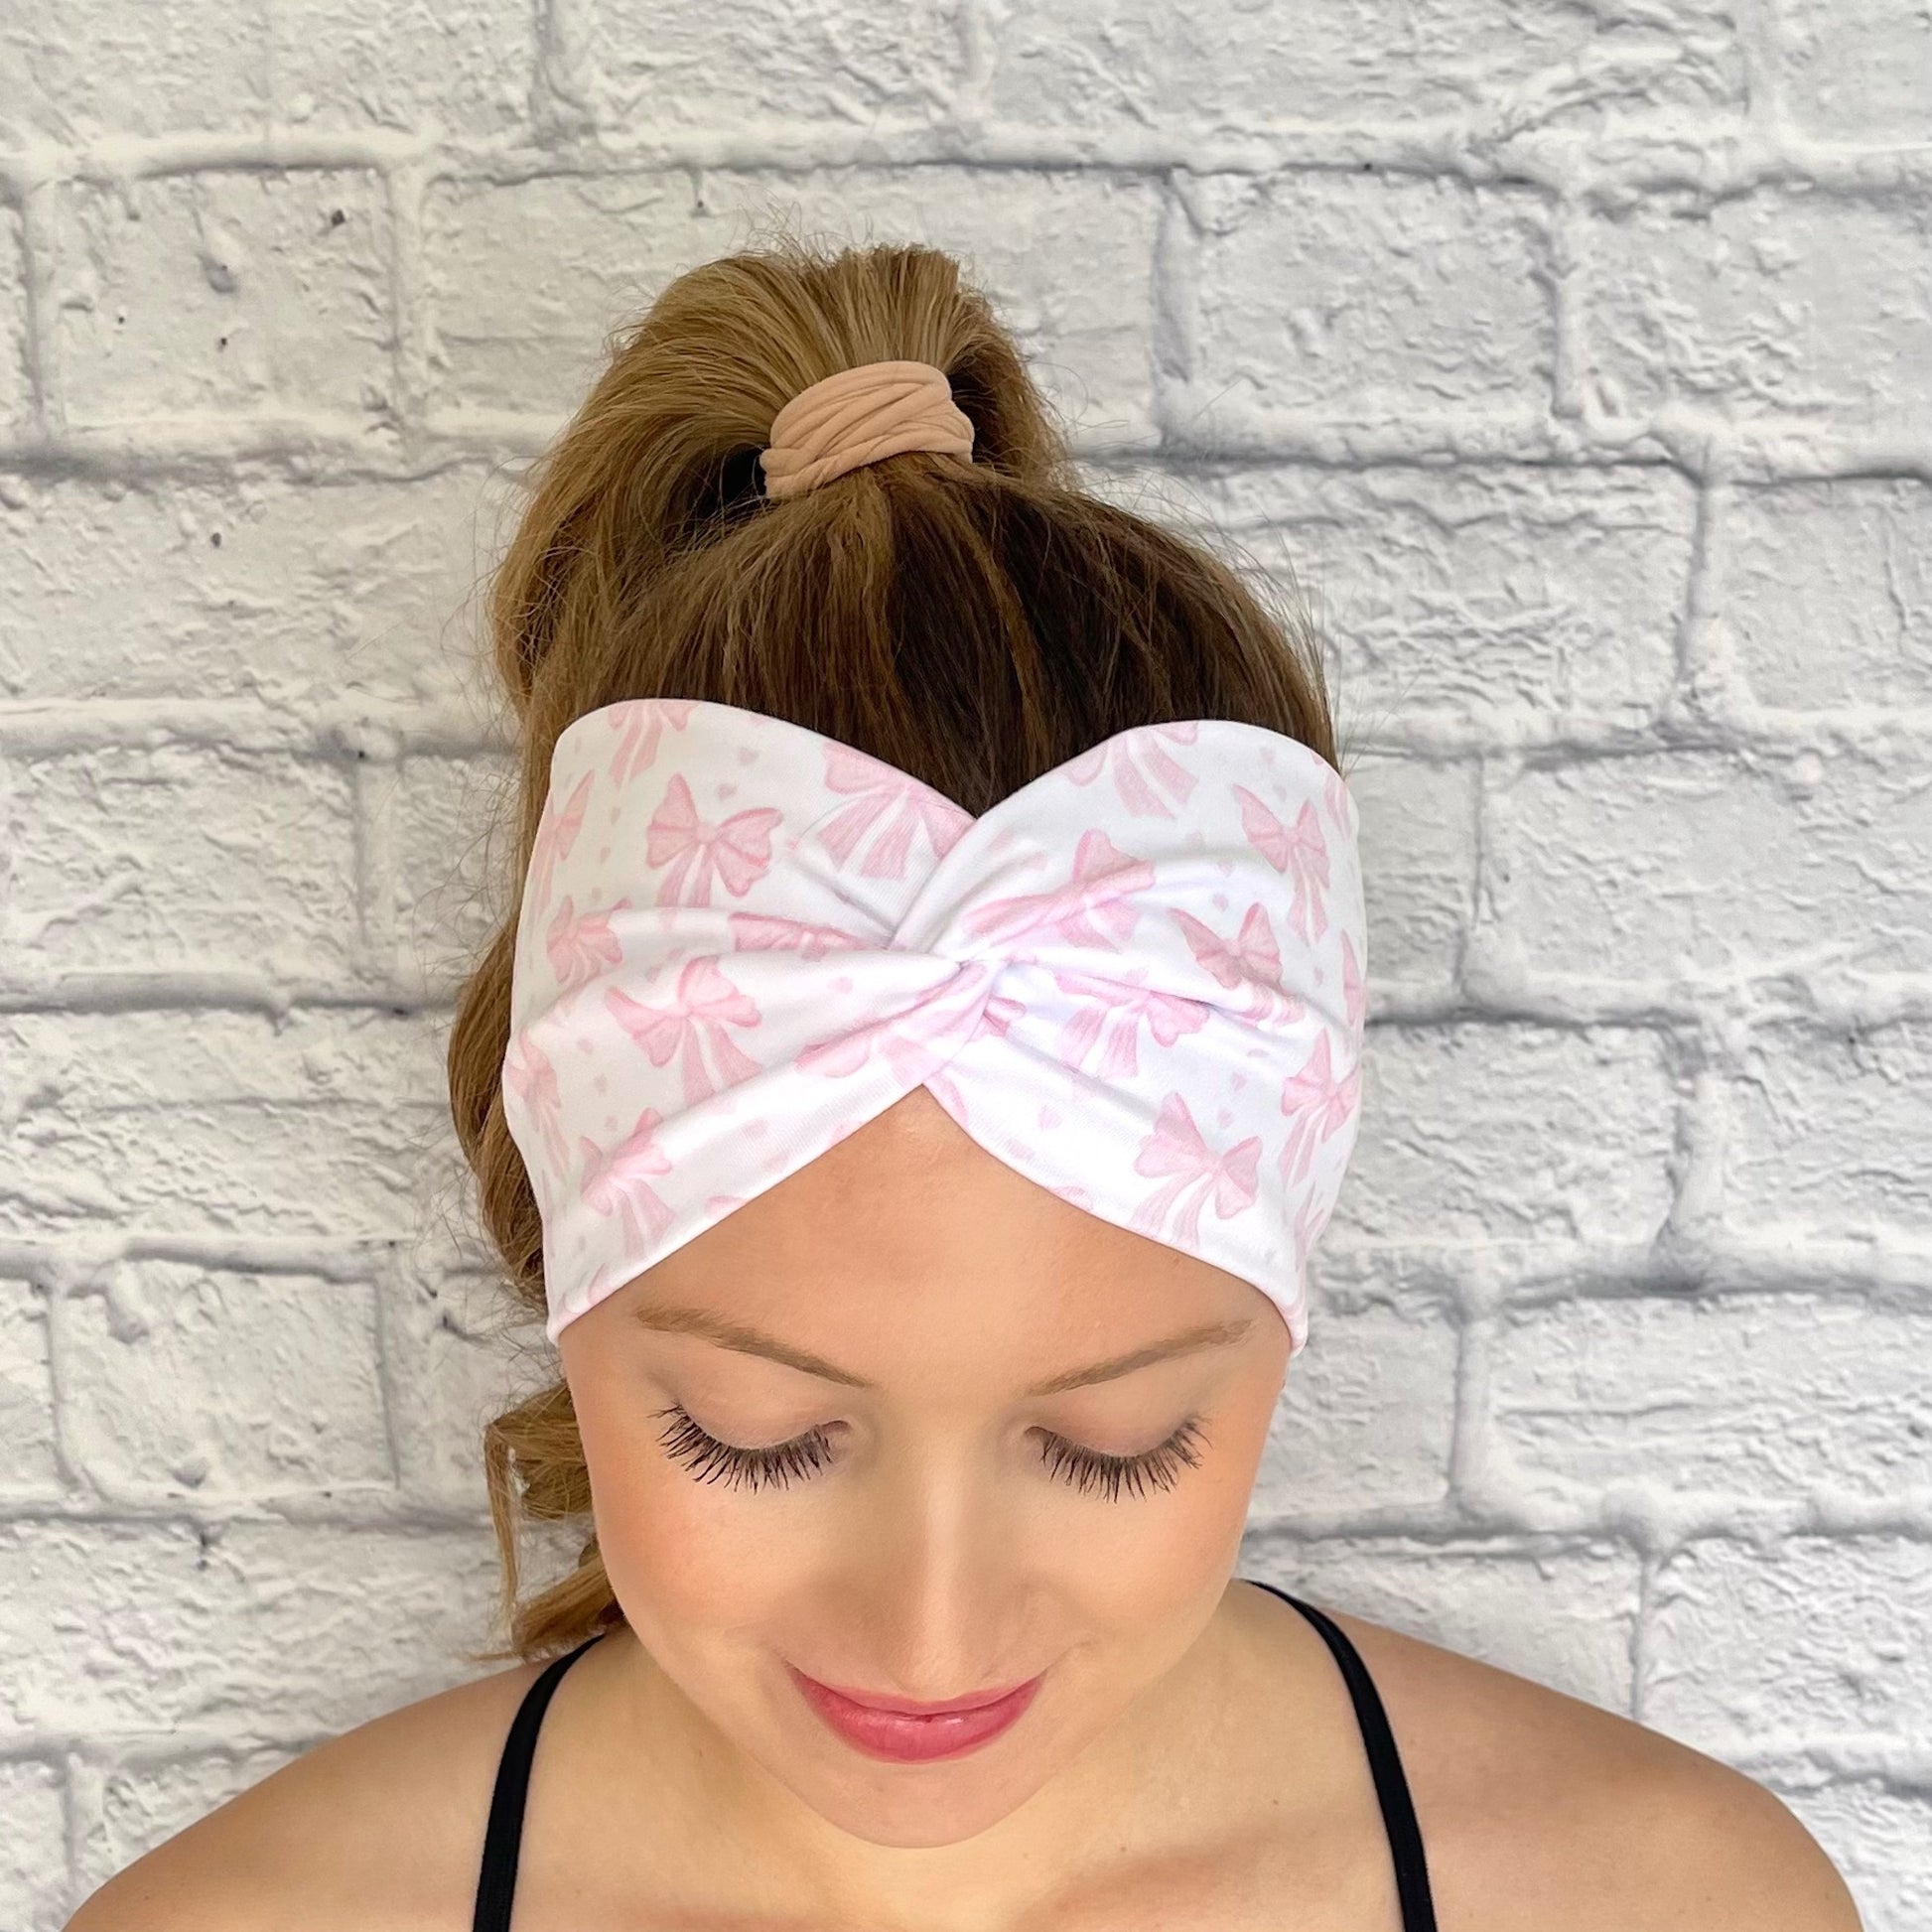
616 1183
1119 1006
705 1003
882 789
1094 909
1175 1147
1301 853
556 833
735 850
1319 1105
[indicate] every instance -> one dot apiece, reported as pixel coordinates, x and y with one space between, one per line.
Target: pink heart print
1138 980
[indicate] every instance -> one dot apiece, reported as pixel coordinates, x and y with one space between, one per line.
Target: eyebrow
752 1341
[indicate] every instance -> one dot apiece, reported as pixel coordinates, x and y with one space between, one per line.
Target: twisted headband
1138 980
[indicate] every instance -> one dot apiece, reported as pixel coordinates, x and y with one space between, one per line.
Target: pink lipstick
904 1732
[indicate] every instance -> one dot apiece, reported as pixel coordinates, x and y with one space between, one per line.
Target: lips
906 1732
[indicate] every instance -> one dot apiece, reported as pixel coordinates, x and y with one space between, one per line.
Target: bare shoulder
380 1828
1540 1809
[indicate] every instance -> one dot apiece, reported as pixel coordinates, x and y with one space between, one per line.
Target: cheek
666 1538
1166 1555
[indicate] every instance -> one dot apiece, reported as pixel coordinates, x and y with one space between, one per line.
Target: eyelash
710 1460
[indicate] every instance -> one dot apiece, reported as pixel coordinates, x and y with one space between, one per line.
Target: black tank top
497 1884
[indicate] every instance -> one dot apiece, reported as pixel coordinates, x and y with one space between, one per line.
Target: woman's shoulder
1540 1809
380 1828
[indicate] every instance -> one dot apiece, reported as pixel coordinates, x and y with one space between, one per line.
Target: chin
924 1806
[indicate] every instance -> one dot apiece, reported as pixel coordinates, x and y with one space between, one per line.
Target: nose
935 1585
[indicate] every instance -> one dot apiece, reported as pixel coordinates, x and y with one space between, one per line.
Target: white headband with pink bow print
1138 980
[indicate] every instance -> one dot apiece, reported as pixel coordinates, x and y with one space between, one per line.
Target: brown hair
975 623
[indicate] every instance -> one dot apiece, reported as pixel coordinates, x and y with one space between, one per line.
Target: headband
1138 980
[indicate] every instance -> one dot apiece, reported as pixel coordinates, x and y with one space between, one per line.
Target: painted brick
1828 592
1521 1132
136 858
1826 1636
1759 1398
146 1800
1329 291
1642 868
451 826
1068 258
15 389
450 1371
1564 1614
1472 594
143 1629
29 1461
33 1848
462 67
239 294
1366 1419
1858 70
1419 868
1633 704
682 64
103 67
1101 62
1877 1835
182 1381
230 1126
242 587
1827 1132
1779 305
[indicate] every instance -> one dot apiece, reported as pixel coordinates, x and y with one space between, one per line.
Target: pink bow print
772 932
1320 1106
615 1183
639 729
1116 1009
1175 1147
1334 795
962 1009
528 1073
705 1003
735 850
579 949
1302 853
556 833
1136 788
1309 1219
1094 908
1354 988
883 789
1252 959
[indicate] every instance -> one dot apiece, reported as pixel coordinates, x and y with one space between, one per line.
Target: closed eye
782 1463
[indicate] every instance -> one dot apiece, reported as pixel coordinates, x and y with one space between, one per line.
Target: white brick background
1576 359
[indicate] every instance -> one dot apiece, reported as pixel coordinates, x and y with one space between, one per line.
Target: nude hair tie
862 415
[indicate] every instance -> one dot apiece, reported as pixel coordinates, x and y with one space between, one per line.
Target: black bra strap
496 1883
1385 1761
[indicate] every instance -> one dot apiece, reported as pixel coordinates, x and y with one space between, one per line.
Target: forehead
908 1243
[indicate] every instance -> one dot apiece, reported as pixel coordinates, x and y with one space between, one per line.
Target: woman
923 1054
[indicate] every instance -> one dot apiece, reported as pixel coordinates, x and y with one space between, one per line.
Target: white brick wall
1580 362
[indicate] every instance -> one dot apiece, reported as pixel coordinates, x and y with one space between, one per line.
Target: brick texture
1575 363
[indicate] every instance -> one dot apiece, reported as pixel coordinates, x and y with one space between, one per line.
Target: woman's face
939 1525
